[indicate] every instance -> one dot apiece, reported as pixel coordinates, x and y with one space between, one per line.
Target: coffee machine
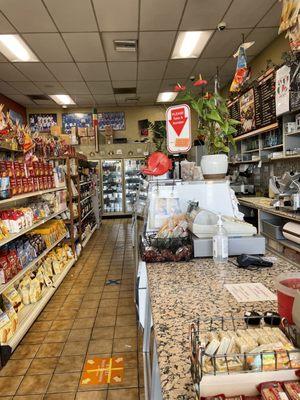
286 191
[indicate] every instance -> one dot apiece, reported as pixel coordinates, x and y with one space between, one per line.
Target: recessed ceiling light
62 99
165 97
190 44
15 49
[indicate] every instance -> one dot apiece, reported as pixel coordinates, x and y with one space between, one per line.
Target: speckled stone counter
182 292
263 203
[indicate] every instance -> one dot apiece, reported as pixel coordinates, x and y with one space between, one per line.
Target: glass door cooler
133 181
112 186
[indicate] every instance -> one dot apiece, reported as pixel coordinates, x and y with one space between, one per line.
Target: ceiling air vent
132 99
128 90
125 45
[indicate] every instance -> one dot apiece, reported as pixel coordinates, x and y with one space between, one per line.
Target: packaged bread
14 298
12 315
35 292
5 327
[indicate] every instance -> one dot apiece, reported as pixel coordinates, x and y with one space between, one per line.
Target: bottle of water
220 243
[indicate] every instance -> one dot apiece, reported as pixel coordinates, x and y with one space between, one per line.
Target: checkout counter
170 296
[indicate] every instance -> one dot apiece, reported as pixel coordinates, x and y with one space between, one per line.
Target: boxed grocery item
85 141
82 132
91 131
92 140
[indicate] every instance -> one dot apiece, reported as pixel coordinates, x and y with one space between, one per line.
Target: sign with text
178 123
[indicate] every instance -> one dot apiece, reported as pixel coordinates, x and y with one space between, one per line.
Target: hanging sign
282 96
178 124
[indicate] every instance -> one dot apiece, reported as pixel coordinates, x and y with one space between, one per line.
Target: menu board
247 111
264 95
234 112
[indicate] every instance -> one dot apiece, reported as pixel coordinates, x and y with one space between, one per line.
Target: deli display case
121 181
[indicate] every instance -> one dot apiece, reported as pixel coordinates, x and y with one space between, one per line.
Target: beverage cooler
120 184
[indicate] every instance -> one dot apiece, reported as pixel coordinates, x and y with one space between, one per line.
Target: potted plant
216 129
158 129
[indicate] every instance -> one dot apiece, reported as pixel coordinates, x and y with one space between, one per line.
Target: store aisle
91 315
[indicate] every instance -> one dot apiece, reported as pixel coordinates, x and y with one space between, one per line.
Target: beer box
82 132
84 141
90 131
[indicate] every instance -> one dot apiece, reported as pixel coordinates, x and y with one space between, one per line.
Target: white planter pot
214 166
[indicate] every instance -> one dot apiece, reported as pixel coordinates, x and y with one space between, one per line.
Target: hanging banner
282 93
178 124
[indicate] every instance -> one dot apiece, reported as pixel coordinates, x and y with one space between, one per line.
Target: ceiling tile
7 89
207 67
51 87
72 15
111 53
246 13
206 15
94 71
65 71
117 15
104 99
84 46
225 43
179 68
27 16
121 98
5 26
83 99
156 45
100 87
21 99
147 97
76 87
123 71
158 15
26 87
35 71
148 86
10 73
272 18
151 69
49 47
123 84
47 102
262 37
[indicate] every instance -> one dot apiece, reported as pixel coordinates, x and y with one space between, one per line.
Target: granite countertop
263 203
182 292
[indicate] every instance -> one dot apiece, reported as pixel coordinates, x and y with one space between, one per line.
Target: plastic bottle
220 243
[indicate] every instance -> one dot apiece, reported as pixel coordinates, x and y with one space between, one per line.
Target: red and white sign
178 121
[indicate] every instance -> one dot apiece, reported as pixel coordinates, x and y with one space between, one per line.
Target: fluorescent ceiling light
165 97
15 49
62 99
190 44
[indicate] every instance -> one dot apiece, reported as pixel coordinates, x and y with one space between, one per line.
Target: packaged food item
14 298
35 292
5 327
292 388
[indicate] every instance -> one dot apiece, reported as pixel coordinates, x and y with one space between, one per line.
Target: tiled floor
85 318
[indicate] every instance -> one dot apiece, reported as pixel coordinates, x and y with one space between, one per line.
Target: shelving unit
31 194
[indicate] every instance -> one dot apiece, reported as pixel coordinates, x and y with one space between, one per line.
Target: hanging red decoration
158 163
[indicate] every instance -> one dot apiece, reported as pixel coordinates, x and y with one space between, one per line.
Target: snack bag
241 72
14 298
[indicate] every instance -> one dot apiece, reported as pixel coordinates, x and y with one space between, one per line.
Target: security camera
192 78
221 26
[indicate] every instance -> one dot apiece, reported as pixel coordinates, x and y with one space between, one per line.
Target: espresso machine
285 191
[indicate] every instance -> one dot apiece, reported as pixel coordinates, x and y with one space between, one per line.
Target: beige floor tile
130 379
60 396
93 395
34 384
125 331
64 382
108 303
25 351
90 304
75 348
9 385
111 295
126 294
70 364
87 313
128 394
124 344
126 310
107 311
105 321
28 397
100 346
15 367
66 314
43 326
42 366
83 323
56 336
125 320
106 332
34 337
76 335
62 325
50 350
130 359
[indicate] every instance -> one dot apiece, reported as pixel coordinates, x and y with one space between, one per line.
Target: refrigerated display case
120 184
112 186
133 182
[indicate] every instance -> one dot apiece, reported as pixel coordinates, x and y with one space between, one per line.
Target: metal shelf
85 242
251 151
29 313
82 200
273 147
15 235
30 265
31 194
85 183
82 219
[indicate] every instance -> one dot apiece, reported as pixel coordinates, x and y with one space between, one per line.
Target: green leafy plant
216 129
158 129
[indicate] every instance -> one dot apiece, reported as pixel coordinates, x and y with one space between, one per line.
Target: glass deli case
133 181
112 186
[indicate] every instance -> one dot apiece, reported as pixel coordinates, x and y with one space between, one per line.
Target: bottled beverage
220 243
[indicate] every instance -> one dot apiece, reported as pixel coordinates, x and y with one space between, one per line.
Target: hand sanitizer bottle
220 243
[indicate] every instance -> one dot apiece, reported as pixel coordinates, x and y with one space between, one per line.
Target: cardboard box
82 132
91 131
84 141
92 140
55 130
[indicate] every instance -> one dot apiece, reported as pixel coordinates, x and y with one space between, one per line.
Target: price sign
178 123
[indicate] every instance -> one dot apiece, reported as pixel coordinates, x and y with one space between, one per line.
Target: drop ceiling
73 40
